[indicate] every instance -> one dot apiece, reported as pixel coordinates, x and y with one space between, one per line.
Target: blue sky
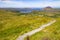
29 3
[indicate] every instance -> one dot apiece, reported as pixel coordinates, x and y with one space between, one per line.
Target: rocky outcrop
48 8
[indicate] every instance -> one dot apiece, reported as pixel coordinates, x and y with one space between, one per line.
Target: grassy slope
50 33
12 25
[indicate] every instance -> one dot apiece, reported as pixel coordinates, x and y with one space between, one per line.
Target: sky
29 3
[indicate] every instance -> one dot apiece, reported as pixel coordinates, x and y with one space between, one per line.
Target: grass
13 24
49 33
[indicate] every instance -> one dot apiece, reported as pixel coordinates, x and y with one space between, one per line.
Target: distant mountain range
28 9
21 9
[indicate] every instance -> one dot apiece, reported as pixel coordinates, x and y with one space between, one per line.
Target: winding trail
35 31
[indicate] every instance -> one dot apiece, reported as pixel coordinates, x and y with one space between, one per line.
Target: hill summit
48 8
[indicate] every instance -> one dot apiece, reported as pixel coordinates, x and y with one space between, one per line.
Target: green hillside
50 33
14 24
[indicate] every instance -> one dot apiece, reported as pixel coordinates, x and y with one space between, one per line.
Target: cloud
23 4
29 0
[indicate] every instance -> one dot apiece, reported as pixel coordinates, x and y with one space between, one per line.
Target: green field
49 33
14 24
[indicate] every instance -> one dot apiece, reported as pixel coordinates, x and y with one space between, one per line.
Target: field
49 33
14 24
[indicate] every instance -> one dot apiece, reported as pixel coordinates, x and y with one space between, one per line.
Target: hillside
14 24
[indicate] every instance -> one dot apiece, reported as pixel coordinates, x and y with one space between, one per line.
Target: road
36 30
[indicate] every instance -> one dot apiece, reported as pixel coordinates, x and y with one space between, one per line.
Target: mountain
24 10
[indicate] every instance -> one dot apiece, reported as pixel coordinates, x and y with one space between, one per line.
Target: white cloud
29 4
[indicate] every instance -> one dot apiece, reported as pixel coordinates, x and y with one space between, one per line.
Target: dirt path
35 31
